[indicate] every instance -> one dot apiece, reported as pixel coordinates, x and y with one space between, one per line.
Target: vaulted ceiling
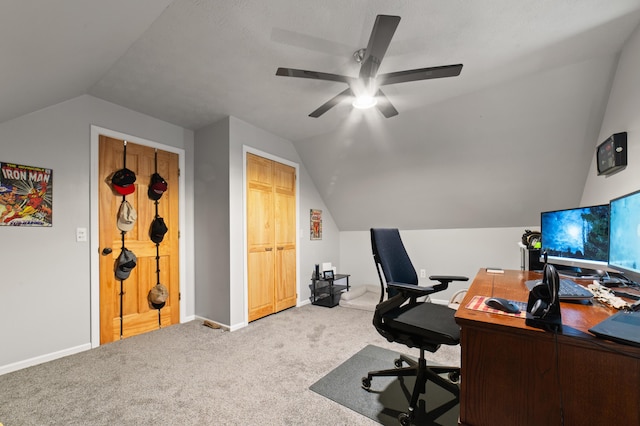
514 134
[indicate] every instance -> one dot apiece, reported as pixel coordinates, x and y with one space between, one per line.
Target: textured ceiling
514 134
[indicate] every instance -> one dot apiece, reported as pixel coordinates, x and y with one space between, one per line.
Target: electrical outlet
423 273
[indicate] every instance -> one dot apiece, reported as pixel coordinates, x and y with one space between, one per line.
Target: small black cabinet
325 292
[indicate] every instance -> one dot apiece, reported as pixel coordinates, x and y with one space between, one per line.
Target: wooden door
271 245
137 315
284 188
260 237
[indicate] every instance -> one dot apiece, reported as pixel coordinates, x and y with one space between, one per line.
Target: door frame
96 131
248 149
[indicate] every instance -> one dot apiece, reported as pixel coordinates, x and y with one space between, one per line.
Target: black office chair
403 319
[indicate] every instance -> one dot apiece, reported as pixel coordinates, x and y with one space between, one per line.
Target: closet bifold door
271 241
285 236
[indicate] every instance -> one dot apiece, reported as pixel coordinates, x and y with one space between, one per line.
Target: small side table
324 292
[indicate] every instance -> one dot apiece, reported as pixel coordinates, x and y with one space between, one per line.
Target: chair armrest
446 279
412 290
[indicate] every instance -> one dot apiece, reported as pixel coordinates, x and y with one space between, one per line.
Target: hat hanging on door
125 263
158 229
158 296
157 187
122 181
126 216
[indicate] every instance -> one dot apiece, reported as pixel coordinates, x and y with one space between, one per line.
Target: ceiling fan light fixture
364 102
368 80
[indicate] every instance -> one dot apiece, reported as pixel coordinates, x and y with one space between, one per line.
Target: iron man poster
26 194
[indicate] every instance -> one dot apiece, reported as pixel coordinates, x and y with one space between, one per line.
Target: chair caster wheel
454 377
397 362
366 383
405 419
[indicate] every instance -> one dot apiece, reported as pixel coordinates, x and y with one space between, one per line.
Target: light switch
81 235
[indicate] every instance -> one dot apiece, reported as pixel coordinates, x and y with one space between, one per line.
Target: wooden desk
512 374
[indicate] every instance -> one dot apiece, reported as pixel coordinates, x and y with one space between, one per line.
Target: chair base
423 373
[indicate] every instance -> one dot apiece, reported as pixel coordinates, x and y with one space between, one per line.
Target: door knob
106 251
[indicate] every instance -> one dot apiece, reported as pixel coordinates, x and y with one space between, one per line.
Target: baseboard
439 301
9 368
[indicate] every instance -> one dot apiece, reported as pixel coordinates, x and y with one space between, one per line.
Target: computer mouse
503 305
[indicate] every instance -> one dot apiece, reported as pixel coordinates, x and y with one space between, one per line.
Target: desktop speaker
612 154
532 260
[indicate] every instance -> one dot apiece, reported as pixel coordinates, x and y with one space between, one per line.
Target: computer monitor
576 240
624 241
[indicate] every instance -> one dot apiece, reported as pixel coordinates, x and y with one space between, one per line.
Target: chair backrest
390 255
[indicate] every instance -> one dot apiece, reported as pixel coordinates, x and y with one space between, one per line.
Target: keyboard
569 289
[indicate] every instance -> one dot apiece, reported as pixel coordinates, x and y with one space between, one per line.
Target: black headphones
546 292
543 306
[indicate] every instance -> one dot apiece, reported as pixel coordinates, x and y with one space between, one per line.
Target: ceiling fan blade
332 102
384 105
292 72
419 74
381 35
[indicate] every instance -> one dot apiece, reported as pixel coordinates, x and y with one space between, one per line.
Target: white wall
45 285
438 252
212 239
622 115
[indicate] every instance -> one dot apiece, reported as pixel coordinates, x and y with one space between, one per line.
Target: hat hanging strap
155 166
124 163
121 308
124 166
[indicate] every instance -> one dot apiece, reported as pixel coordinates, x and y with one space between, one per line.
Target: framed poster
316 224
26 195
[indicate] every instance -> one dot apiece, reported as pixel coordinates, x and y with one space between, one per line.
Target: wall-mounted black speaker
612 154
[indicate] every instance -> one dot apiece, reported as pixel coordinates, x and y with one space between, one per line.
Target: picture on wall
316 224
26 195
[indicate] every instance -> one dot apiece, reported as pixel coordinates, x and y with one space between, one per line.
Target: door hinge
179 296
178 171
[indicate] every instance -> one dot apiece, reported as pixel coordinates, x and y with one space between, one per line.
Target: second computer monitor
624 248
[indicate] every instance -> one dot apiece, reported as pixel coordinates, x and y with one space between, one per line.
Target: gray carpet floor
189 374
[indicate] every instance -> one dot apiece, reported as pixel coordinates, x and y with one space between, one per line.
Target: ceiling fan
366 87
